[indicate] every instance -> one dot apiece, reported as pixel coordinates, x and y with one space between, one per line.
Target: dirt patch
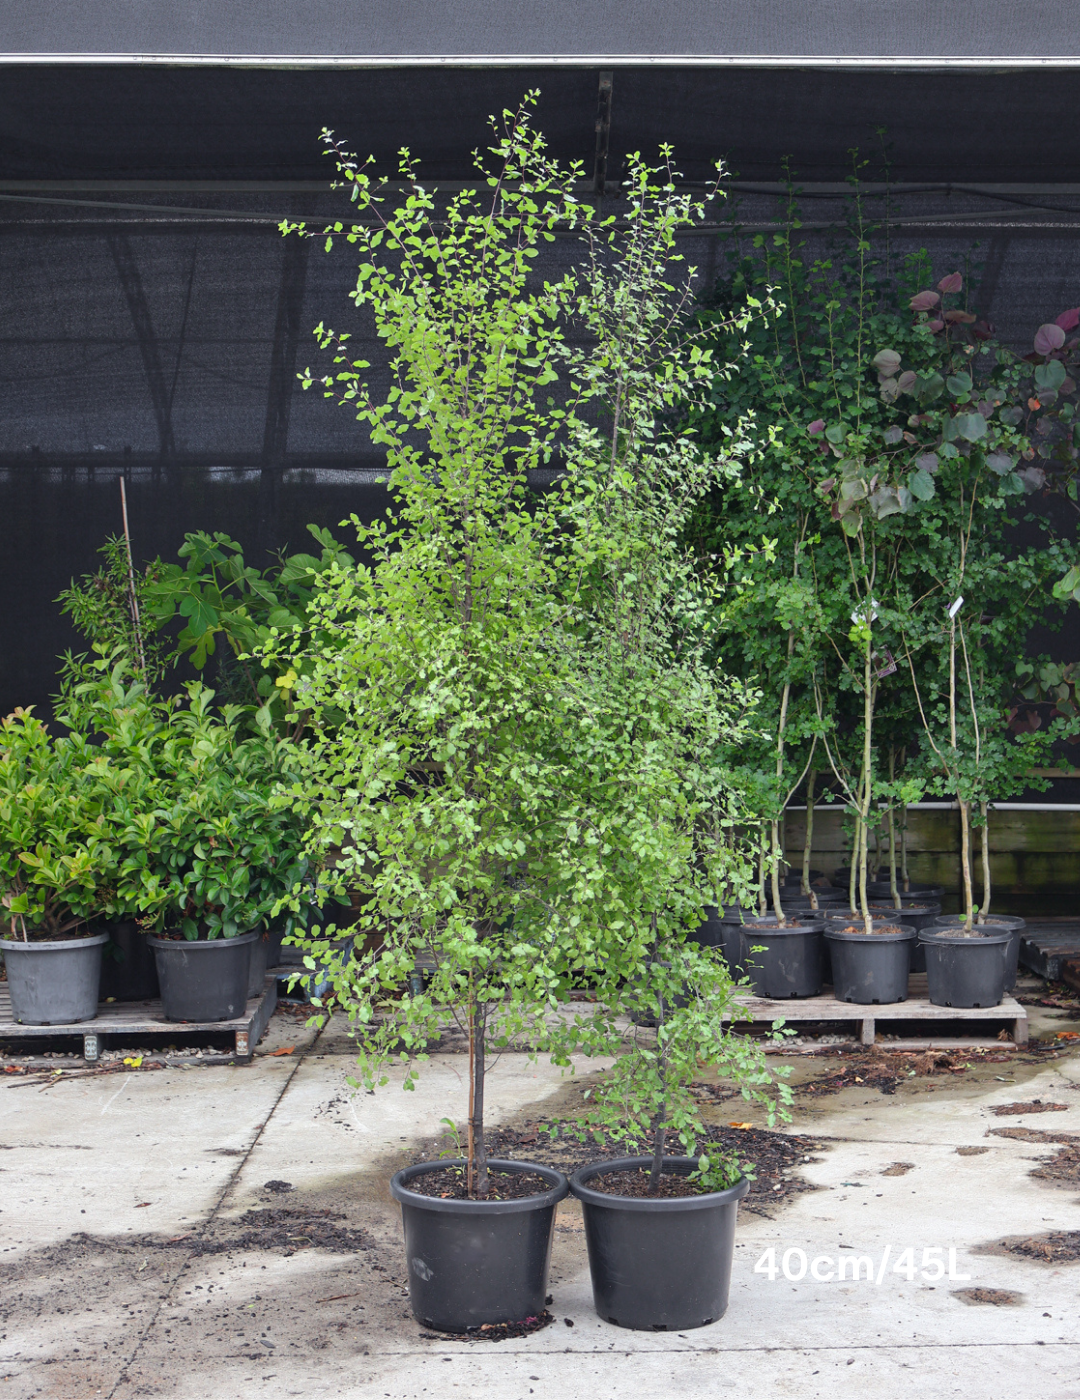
899 1169
1003 1110
1063 1169
1053 1247
772 1156
996 1297
284 1231
498 1331
971 1151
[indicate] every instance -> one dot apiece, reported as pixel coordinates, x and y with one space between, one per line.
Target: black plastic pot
128 966
472 1262
871 969
265 952
658 1264
790 961
964 970
731 922
54 983
203 979
915 894
1012 922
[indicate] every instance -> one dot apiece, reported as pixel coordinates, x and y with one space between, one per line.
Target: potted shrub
202 854
497 763
56 856
660 1224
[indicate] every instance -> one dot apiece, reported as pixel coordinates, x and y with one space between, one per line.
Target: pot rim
399 1188
940 934
906 935
249 937
52 945
1009 921
706 1201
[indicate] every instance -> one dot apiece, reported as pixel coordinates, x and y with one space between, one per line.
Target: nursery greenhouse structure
156 319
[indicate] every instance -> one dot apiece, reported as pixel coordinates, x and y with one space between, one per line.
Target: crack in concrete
200 1233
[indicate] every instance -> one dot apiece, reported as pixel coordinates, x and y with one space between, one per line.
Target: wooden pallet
1047 943
133 1018
873 1020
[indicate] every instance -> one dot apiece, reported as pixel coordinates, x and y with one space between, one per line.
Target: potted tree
470 766
57 857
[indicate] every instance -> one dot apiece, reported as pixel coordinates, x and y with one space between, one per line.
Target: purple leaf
906 383
924 301
817 426
1048 338
953 283
961 318
886 362
1068 320
927 462
936 326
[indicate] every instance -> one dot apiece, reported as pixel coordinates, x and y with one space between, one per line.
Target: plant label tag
955 608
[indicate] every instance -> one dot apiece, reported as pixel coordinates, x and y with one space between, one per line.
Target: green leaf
921 485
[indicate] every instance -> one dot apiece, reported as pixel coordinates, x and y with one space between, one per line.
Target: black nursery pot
203 979
791 960
871 969
472 1262
128 965
265 954
658 1264
964 970
1016 927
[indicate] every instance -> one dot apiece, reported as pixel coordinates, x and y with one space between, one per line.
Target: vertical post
91 1048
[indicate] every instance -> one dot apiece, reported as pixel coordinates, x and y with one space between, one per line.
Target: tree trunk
965 862
808 842
985 842
905 878
659 1125
775 859
477 1176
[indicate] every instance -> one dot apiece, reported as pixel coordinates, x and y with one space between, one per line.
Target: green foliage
58 853
198 846
514 762
890 433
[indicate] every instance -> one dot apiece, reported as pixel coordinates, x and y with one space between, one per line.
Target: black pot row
61 983
660 1264
964 969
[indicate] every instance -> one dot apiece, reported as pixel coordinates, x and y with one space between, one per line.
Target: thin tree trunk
763 907
868 779
853 879
811 782
892 833
477 1172
904 876
985 842
659 1124
777 906
965 862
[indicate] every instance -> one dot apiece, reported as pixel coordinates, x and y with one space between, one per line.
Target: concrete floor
105 1182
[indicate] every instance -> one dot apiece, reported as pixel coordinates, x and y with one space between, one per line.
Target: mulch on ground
996 1297
1003 1110
1063 1169
1053 1247
878 1067
498 1331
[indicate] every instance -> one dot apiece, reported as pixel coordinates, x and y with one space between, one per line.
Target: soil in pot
203 980
966 967
54 982
658 1263
128 966
788 961
870 969
451 1184
473 1263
